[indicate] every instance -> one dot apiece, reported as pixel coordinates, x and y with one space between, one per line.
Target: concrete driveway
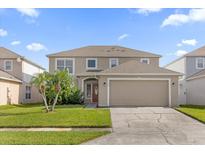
152 125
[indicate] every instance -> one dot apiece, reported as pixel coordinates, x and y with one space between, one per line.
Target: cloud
29 12
180 53
15 42
123 36
36 47
192 42
145 11
179 44
194 15
3 32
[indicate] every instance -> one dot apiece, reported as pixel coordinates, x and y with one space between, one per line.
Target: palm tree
40 82
58 79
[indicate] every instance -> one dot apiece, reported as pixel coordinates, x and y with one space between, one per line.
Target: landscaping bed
17 116
195 111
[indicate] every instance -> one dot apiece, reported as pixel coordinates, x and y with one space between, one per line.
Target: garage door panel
138 93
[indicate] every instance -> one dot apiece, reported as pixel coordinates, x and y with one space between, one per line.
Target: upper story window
67 64
200 63
113 62
8 65
145 60
91 63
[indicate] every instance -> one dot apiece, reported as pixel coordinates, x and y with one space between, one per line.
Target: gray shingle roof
197 75
8 54
198 52
6 76
103 51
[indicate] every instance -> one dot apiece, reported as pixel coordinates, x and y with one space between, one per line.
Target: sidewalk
55 129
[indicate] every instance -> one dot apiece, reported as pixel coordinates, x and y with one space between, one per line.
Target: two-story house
118 76
192 84
18 68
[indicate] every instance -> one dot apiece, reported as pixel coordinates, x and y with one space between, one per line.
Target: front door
95 93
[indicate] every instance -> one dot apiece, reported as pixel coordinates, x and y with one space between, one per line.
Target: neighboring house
9 88
22 69
118 76
192 83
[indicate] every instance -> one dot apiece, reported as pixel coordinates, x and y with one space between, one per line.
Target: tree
40 82
58 80
51 86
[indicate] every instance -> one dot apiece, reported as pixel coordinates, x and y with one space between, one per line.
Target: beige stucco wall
196 91
9 92
102 84
103 63
24 71
35 96
17 68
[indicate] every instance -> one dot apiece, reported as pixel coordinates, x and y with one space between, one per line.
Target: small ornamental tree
51 86
40 82
59 80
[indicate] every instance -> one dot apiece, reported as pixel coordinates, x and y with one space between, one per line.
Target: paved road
152 125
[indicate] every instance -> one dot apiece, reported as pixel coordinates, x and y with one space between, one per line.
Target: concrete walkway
55 129
152 125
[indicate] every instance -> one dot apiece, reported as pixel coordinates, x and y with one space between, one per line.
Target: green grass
194 111
64 116
48 138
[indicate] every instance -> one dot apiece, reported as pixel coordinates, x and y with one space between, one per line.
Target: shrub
71 95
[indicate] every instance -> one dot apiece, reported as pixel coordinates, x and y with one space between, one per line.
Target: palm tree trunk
55 101
45 103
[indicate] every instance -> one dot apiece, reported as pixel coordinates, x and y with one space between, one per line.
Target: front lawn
195 111
46 138
64 116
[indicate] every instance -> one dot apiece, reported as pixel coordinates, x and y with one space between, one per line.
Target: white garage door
139 93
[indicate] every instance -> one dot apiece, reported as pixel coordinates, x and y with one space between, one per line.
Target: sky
34 33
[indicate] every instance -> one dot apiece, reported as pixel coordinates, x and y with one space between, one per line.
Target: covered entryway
91 90
139 92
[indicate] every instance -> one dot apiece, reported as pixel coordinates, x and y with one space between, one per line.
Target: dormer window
200 63
91 63
8 65
145 60
113 62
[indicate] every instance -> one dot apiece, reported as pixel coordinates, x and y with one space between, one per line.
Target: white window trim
11 65
73 59
91 94
91 68
110 62
197 63
134 79
148 60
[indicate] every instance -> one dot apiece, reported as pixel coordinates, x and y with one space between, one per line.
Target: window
68 64
144 60
200 63
114 62
8 65
28 92
91 63
88 90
